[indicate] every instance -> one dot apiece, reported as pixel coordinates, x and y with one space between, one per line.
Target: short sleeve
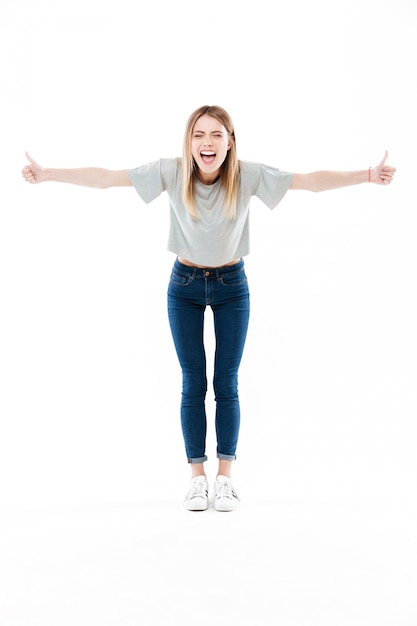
147 180
268 183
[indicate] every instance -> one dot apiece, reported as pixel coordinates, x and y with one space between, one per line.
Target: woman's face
209 146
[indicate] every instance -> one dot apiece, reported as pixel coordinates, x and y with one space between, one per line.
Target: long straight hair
229 171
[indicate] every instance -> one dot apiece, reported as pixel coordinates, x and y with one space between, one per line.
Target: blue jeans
225 290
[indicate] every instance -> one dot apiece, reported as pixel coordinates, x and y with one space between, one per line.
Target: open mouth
207 156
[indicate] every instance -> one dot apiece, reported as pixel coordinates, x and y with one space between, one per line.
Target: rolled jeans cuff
200 459
227 457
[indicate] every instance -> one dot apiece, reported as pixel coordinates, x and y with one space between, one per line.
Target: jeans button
207 273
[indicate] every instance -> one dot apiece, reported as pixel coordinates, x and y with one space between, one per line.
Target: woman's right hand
98 177
33 173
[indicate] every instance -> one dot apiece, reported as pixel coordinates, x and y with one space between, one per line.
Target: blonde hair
229 172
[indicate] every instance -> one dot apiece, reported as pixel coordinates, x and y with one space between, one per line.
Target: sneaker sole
196 507
224 508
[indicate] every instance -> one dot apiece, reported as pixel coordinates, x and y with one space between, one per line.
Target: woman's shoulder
171 170
249 172
172 164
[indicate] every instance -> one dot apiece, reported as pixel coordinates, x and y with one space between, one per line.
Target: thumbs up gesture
382 174
33 173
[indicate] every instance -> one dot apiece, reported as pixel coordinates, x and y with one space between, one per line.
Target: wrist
53 175
46 174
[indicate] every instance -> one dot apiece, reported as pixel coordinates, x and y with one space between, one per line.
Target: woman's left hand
382 174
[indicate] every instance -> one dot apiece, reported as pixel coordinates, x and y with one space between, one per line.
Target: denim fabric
190 291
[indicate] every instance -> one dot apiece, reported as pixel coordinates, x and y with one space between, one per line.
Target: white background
90 385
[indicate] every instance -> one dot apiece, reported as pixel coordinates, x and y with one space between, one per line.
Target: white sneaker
225 496
197 496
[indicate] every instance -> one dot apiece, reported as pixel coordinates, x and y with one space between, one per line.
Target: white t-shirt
212 239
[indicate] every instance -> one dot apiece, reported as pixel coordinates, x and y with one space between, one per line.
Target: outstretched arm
85 176
381 174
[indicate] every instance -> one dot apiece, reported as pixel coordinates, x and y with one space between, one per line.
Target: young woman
209 191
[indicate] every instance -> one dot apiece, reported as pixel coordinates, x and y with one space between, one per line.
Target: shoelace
226 490
198 490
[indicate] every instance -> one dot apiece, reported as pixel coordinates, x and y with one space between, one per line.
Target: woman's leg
186 320
231 324
231 320
225 468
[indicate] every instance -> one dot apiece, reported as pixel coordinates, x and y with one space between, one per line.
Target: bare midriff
185 262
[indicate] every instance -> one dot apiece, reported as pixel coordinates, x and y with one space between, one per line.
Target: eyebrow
196 130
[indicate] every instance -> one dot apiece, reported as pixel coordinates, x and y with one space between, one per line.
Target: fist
33 173
382 174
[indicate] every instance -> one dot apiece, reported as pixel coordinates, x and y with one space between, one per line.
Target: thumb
29 158
382 163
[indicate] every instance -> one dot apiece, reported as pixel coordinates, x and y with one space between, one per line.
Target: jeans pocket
180 279
233 279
